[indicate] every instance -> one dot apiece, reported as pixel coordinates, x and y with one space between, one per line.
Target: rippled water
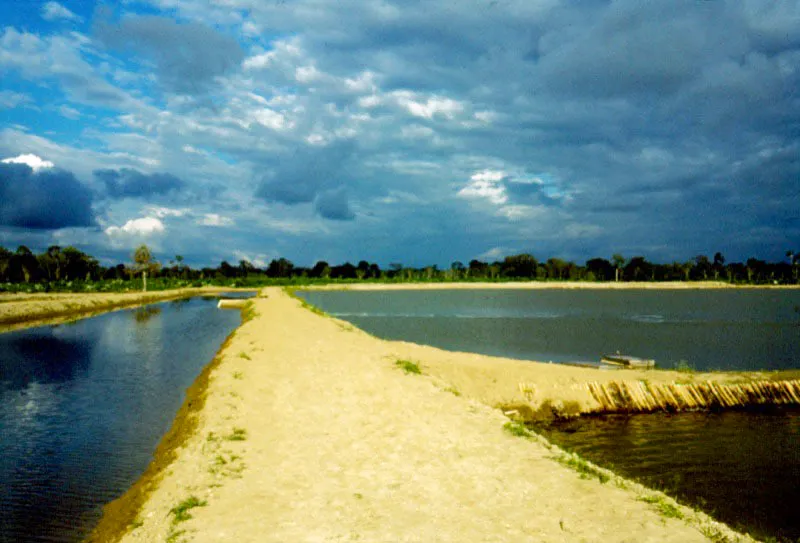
83 406
744 468
706 329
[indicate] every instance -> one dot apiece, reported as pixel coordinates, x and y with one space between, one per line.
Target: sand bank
309 431
27 310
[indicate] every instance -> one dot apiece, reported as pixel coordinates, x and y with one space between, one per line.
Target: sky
417 132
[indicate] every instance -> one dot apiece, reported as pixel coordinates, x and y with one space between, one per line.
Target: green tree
143 262
794 259
719 265
619 261
24 265
522 265
5 263
702 265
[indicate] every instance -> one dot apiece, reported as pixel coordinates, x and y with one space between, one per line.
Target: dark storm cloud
129 183
188 56
313 174
43 200
333 205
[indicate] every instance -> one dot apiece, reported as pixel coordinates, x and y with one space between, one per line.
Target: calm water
743 468
742 330
83 406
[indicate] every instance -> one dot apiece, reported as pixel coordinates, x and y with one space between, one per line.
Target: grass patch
586 469
238 375
452 390
304 304
517 429
181 511
249 312
245 356
666 509
683 366
173 535
408 366
238 434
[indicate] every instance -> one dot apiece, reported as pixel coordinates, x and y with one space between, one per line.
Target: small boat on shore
628 361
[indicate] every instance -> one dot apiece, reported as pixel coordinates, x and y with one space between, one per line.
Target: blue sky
414 132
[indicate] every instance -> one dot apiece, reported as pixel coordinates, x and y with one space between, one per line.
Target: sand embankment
309 431
27 310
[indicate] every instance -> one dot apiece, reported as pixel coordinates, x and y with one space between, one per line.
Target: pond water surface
705 329
83 406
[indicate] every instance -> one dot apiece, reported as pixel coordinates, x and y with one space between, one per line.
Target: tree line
69 267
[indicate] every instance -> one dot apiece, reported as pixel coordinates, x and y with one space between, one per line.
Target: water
83 406
706 329
741 467
744 468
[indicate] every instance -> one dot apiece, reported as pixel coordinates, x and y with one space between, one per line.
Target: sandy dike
303 429
28 310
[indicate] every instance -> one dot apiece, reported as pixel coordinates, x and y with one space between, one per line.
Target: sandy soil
310 432
26 310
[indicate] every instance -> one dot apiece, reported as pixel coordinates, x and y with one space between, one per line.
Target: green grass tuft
181 511
517 429
584 468
238 434
666 509
245 356
452 390
408 366
249 312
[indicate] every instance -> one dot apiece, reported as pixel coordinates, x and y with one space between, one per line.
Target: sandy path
338 444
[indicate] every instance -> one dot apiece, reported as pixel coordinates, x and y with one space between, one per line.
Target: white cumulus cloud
53 11
488 185
35 162
135 229
427 109
213 219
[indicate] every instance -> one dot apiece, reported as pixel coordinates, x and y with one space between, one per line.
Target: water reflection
144 314
83 406
41 357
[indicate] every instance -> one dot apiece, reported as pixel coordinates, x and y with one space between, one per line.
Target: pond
83 406
702 329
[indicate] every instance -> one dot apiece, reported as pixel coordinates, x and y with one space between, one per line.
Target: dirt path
310 432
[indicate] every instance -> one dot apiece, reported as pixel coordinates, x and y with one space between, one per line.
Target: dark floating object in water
628 361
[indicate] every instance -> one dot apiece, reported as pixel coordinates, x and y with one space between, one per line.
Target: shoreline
307 423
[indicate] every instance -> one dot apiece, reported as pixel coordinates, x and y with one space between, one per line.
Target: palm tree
619 261
143 261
